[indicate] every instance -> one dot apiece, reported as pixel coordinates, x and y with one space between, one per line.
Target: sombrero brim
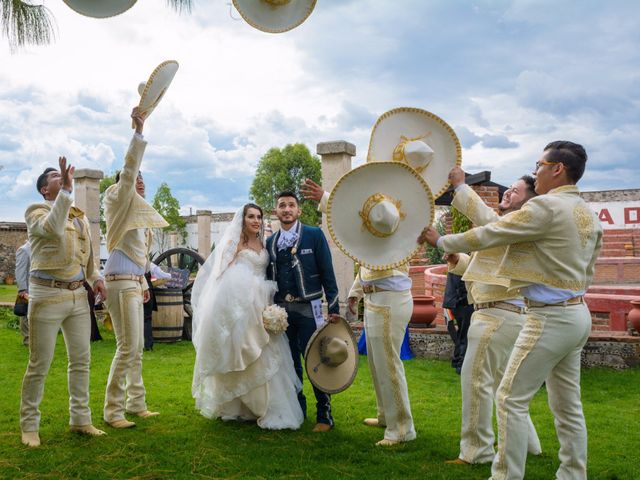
332 379
396 180
100 8
274 18
156 86
431 129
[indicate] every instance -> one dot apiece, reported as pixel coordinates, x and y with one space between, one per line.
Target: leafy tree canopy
286 169
169 207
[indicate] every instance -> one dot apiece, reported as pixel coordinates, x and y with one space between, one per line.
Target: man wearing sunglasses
553 242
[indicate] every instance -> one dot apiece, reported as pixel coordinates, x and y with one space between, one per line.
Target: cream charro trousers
547 350
386 315
51 309
491 337
124 301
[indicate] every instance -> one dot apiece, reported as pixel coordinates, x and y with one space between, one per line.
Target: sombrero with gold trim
100 8
274 16
376 212
331 357
152 91
419 139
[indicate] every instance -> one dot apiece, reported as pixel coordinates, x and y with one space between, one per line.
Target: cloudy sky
508 76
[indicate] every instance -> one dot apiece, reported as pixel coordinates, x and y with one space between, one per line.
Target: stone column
86 190
173 239
204 232
336 161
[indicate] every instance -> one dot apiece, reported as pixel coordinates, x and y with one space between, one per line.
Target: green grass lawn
8 293
182 444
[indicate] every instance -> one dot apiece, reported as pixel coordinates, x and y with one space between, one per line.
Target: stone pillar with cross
336 161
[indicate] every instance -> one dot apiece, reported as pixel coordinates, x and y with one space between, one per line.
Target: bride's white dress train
242 372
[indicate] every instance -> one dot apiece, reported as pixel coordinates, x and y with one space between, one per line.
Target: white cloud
510 76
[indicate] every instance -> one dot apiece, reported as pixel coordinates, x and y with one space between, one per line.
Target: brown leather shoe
322 427
124 423
457 461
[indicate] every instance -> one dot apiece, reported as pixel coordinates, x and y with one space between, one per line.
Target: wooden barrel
167 322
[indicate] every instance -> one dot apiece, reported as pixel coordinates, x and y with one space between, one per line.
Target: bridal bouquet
274 319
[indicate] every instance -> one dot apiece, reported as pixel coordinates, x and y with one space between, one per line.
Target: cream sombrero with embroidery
331 357
100 8
274 16
152 91
376 212
419 139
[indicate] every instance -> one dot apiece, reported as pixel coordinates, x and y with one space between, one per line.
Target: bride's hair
245 209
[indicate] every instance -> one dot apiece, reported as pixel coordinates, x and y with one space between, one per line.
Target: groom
300 261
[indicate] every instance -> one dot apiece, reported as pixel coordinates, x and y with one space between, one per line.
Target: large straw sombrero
376 212
100 8
152 91
331 357
274 16
419 139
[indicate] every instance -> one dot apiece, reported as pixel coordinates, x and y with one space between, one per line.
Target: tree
286 169
105 183
26 24
169 207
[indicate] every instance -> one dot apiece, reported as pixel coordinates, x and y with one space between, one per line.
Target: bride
242 372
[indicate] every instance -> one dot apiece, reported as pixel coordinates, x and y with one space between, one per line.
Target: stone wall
12 235
611 195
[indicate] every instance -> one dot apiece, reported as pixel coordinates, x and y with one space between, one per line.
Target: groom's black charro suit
302 272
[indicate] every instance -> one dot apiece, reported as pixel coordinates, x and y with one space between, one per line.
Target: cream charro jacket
480 270
553 240
58 246
126 211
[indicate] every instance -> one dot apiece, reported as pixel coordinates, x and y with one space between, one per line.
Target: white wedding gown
242 372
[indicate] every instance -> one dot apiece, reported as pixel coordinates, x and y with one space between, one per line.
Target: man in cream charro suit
388 306
129 220
61 260
495 324
553 242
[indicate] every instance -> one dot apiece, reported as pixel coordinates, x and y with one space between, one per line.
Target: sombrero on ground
331 357
100 8
274 16
419 139
376 211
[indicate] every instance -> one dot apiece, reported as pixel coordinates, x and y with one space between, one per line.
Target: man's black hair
572 155
287 193
530 182
42 179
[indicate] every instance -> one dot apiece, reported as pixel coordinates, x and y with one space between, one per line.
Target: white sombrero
331 357
100 8
376 212
419 139
152 91
274 16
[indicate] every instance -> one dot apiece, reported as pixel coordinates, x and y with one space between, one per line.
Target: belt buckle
289 298
74 285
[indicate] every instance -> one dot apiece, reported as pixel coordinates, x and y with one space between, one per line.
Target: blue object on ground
405 350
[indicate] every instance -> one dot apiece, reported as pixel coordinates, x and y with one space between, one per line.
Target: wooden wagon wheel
183 258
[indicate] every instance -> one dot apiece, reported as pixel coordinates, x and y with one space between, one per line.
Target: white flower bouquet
274 319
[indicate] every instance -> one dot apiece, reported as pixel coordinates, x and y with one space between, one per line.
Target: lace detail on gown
242 371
